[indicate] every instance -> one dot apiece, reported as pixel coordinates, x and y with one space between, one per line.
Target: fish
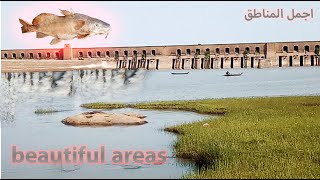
67 27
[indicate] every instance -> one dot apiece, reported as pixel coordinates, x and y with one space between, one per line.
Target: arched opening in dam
227 50
188 52
290 61
116 54
285 49
197 52
39 55
237 50
280 61
221 65
247 49
81 54
129 65
173 63
202 62
206 61
98 53
217 51
14 56
312 60
179 52
192 63
148 62
135 54
157 64
22 55
153 52
107 54
5 56
252 62
306 48
301 60
241 63
257 50
212 63
231 65
296 48
182 65
89 54
144 54
48 55
31 55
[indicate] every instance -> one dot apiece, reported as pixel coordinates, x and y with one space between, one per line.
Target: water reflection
80 85
64 82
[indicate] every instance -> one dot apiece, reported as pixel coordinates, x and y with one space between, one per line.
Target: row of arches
217 51
49 55
296 48
298 61
116 53
216 63
136 64
134 53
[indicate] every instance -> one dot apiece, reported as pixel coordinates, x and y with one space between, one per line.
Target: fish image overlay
67 27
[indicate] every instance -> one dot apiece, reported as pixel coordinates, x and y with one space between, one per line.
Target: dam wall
201 56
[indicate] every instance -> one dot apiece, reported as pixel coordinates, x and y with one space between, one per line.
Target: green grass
45 111
101 105
276 137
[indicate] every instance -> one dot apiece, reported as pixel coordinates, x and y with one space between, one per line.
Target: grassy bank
101 105
254 138
45 111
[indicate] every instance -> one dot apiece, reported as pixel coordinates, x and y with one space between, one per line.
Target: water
23 93
46 132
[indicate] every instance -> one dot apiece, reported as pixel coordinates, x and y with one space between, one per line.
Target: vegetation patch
270 137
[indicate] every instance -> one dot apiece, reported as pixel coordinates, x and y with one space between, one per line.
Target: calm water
23 93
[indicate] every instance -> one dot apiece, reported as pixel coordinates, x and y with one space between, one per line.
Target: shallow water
23 93
46 132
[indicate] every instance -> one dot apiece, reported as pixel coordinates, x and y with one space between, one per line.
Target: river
23 93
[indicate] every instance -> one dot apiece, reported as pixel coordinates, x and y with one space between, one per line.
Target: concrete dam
201 56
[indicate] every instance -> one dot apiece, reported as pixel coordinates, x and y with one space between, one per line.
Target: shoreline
249 139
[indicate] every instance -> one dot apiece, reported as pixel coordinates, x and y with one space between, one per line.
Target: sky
156 23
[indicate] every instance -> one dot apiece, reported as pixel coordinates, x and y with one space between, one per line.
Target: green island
267 137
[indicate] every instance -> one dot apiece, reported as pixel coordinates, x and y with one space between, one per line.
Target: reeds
272 137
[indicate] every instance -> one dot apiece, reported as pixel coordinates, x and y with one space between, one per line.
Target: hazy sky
165 23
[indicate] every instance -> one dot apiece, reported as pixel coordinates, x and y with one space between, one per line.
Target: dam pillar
307 60
271 54
67 52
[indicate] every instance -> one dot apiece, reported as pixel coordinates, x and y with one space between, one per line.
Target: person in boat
227 73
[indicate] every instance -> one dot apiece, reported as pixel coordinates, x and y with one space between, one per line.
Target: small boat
233 74
180 73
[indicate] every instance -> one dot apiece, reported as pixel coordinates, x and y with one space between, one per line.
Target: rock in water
97 118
